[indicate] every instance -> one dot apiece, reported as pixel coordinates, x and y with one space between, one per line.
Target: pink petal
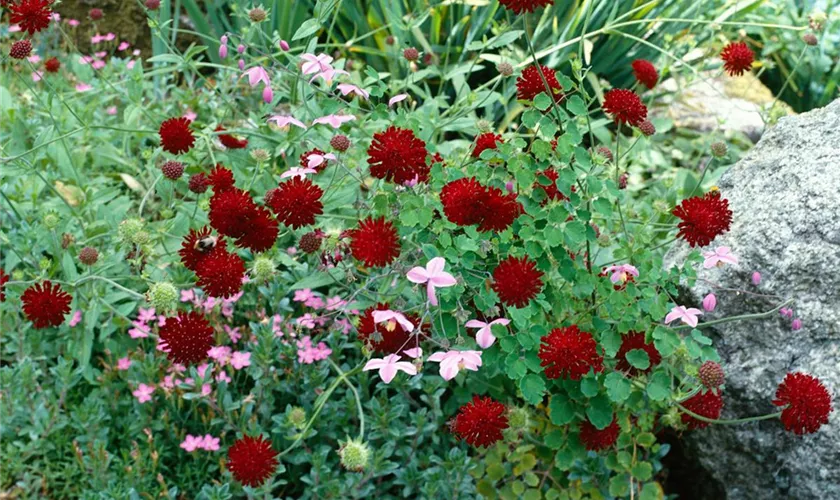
474 323
438 357
406 367
430 294
374 364
414 352
436 265
449 369
500 321
443 280
417 275
485 338
388 372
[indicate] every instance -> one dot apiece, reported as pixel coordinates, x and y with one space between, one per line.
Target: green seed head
263 268
129 228
163 296
354 455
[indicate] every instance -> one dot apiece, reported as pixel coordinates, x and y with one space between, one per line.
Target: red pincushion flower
499 210
517 281
230 141
3 279
480 422
31 15
187 337
707 404
520 6
631 341
198 183
645 73
262 232
220 178
737 58
220 274
807 403
530 84
569 353
461 201
703 218
45 304
379 337
375 242
199 244
304 159
296 202
551 191
398 156
176 136
252 460
231 211
625 106
52 65
484 141
595 439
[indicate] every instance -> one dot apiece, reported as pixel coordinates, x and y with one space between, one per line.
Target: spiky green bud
163 296
354 455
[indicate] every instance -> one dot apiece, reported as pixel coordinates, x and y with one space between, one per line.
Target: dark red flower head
231 211
595 439
230 141
484 141
199 244
220 178
517 281
262 232
375 242
187 337
569 353
20 49
4 278
499 210
45 304
304 159
806 402
551 191
703 218
176 136
737 58
31 15
632 341
530 84
220 274
398 156
625 106
480 422
466 202
52 65
645 73
252 460
296 202
380 338
520 6
198 183
706 404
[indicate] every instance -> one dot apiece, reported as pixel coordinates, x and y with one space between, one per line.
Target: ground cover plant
257 266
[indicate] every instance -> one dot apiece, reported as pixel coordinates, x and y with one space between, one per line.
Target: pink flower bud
509 186
786 312
709 302
241 65
240 49
756 278
268 94
223 51
223 40
796 324
284 45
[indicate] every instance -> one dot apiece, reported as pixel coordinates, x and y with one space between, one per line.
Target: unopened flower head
129 228
163 296
355 455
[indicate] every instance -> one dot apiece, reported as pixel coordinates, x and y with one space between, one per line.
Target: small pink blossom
240 360
709 302
256 75
146 315
190 115
622 273
314 302
686 315
347 89
192 443
210 443
392 317
306 321
796 324
285 121
756 278
34 59
335 121
389 366
396 99
308 353
223 377
206 389
267 95
335 303
85 60
434 276
223 51
112 110
303 295
202 369
71 22
37 75
143 393
100 54
96 39
55 16
297 172
130 64
451 362
98 64
718 257
786 312
123 45
14 28
240 48
233 333
344 325
315 63
124 363
140 331
76 319
414 352
110 37
484 336
82 87
284 45
220 353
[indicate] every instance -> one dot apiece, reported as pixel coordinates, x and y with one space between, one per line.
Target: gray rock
785 198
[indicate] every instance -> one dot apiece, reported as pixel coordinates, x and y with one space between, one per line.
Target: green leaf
600 412
589 387
646 439
495 471
531 117
642 471
533 388
555 439
651 491
309 27
659 387
619 485
638 358
561 409
69 267
618 387
576 105
542 101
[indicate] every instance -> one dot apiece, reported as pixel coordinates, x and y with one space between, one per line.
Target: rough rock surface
785 198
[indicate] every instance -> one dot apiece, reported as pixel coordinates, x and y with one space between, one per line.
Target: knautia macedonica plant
288 274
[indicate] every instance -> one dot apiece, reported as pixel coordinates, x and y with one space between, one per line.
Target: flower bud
411 54
504 68
518 419
268 95
284 45
223 51
709 302
153 4
718 149
297 417
810 39
241 65
796 324
129 228
51 220
240 48
354 455
756 278
88 256
257 15
163 296
263 268
44 264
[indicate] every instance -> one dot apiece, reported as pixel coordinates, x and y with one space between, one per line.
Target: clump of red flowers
375 242
230 141
252 460
530 84
645 73
484 141
480 422
176 136
517 281
595 439
398 156
380 337
231 212
633 341
31 15
625 106
703 218
45 304
569 353
262 232
186 338
198 183
296 202
707 404
806 403
467 202
737 58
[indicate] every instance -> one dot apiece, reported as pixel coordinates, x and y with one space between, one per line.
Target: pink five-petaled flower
124 363
144 393
622 273
240 360
335 121
392 318
210 443
298 172
397 98
484 336
285 121
434 276
389 366
451 362
315 63
192 443
687 316
347 89
718 257
256 75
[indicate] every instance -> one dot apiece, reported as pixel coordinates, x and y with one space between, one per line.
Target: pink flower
285 121
796 324
190 115
303 295
709 302
110 37
284 45
314 159
111 110
223 377
434 276
756 278
397 98
206 389
315 63
210 443
308 354
82 87
71 22
334 303
256 75
240 48
123 46
202 369
687 316
15 28
314 302
192 443
240 360
335 121
233 333
484 336
146 315
130 64
622 273
391 317
140 331
389 366
76 319
144 393
267 95
37 75
98 64
124 363
344 325
223 51
414 352
346 89
220 353
786 312
718 257
306 321
96 39
34 59
298 172
451 362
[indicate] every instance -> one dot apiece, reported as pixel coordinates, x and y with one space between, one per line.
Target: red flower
551 191
737 58
379 337
703 218
304 159
569 353
262 232
296 202
807 403
398 156
498 210
484 141
176 136
645 73
4 278
517 281
595 439
520 6
461 201
52 64
230 141
198 183
631 341
199 244
375 242
252 460
220 274
530 84
625 106
220 178
706 404
480 422
20 49
31 15
45 304
187 336
231 211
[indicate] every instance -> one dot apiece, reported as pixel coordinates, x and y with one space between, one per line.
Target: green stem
355 395
738 318
728 421
146 196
